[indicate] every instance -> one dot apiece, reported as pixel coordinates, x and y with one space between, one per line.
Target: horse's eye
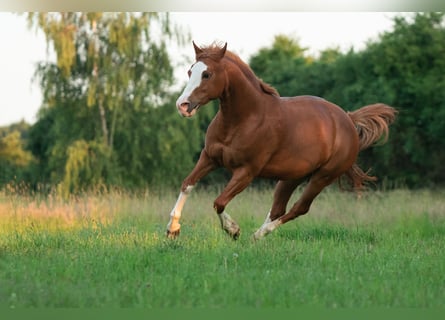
206 75
189 73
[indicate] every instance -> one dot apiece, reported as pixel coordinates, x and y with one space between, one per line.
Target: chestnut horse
256 133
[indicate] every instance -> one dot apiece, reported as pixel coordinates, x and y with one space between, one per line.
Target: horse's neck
241 100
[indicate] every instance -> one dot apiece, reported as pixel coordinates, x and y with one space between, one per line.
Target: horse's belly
288 169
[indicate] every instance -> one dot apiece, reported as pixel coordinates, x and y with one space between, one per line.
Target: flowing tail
372 123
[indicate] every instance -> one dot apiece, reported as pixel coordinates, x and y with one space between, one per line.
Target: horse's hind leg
283 192
316 184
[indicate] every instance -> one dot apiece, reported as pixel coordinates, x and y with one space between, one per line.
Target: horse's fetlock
219 208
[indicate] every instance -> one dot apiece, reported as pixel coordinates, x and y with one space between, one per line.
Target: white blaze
194 81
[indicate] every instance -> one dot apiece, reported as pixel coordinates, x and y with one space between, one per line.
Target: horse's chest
226 155
237 146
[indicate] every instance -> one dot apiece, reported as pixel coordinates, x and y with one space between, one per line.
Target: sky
245 33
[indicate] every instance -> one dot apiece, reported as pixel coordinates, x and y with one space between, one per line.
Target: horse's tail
372 124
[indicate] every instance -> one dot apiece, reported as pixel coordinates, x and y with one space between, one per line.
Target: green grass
383 250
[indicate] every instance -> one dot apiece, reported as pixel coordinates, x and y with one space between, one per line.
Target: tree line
108 117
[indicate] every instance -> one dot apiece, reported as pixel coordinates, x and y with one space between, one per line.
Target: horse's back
308 104
318 112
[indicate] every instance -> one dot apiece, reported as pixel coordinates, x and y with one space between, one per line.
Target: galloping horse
257 133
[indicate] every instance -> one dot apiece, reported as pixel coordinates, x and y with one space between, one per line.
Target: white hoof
266 228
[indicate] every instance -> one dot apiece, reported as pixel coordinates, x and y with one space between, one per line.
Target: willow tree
109 67
14 158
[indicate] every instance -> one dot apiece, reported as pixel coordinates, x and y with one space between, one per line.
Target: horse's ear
198 50
222 52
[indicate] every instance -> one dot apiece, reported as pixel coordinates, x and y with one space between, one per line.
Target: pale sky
244 32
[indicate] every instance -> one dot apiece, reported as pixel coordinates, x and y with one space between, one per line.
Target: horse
257 133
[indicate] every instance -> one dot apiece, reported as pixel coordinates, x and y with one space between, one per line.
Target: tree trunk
102 113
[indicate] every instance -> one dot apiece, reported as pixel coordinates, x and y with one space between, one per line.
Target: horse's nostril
186 106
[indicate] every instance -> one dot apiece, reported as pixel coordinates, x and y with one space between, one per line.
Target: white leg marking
266 228
228 224
267 219
173 225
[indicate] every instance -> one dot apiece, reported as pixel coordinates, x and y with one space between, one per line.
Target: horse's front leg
241 178
202 168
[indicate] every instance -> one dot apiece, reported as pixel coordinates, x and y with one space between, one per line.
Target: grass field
386 249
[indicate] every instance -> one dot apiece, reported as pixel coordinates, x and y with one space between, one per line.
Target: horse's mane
213 52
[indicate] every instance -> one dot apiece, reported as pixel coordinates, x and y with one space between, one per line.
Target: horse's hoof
173 234
256 237
235 234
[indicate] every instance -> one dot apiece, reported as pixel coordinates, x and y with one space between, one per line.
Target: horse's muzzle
187 109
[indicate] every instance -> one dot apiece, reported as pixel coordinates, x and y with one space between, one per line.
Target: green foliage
279 64
15 160
164 148
86 165
101 98
11 150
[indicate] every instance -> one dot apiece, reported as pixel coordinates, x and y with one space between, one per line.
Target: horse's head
206 80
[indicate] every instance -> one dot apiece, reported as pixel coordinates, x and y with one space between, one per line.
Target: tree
12 151
14 158
409 62
111 68
279 65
